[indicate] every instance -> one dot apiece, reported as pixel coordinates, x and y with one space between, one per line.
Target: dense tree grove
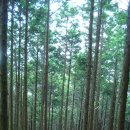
64 65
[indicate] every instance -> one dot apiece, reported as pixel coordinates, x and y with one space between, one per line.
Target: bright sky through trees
123 4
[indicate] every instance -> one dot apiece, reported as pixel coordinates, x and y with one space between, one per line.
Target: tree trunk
62 98
116 114
105 114
35 94
67 95
0 43
113 101
16 86
11 67
93 87
21 105
125 77
50 104
46 63
25 100
52 117
31 118
18 83
42 93
3 68
81 108
89 64
72 112
96 111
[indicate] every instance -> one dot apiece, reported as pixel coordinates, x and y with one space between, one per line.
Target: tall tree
89 64
11 66
81 109
63 84
35 94
50 103
19 92
52 118
0 42
113 101
46 62
3 66
95 66
25 108
96 111
73 99
67 95
125 77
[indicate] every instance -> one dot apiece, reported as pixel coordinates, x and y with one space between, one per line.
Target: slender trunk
52 117
46 63
116 115
82 121
62 98
0 43
93 87
42 95
18 83
125 77
31 118
35 95
102 109
11 70
96 111
21 105
96 122
63 84
113 101
72 112
3 68
25 71
42 104
102 105
67 95
89 63
81 107
50 103
105 114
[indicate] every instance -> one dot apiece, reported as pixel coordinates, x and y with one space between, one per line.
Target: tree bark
42 93
0 43
25 100
21 104
96 111
50 104
125 77
72 112
81 108
18 83
105 113
89 63
113 101
67 95
62 98
46 63
16 86
94 78
11 66
52 117
3 67
35 94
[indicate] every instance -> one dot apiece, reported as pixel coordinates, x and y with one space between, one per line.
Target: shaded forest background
66 67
